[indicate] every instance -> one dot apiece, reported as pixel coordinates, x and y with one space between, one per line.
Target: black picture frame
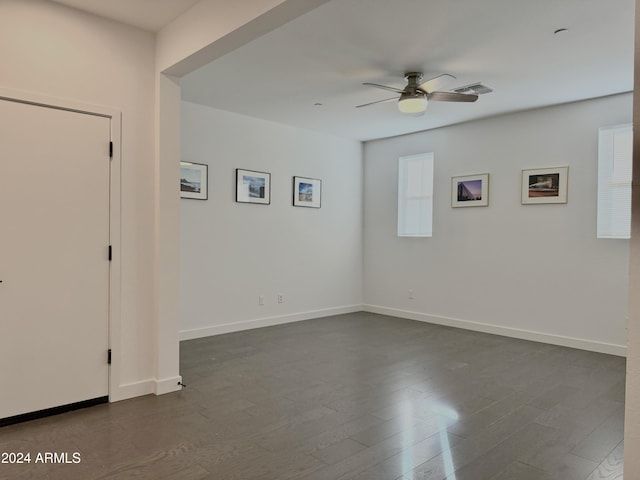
194 180
307 192
253 187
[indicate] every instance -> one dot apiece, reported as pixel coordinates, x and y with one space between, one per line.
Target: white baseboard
265 322
168 385
146 387
600 347
131 390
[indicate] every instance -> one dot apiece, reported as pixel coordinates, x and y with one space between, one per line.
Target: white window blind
415 195
615 145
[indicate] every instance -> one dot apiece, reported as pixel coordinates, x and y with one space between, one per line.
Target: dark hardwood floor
351 397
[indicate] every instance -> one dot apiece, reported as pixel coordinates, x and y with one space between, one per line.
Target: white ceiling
326 55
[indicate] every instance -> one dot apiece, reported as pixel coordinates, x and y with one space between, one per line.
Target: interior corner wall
233 253
529 271
55 51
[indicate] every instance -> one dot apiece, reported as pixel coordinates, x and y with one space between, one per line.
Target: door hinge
109 356
110 253
110 149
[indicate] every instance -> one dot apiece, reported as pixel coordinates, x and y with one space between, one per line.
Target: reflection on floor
351 397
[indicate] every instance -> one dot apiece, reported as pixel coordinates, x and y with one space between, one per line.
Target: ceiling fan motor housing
415 96
413 79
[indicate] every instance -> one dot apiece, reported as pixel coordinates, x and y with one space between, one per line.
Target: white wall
231 253
632 401
55 51
533 271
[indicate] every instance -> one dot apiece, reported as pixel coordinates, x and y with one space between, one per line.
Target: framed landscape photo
253 187
545 185
470 190
193 180
307 192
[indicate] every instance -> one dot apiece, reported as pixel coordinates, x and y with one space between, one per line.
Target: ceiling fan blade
451 97
378 101
384 87
436 83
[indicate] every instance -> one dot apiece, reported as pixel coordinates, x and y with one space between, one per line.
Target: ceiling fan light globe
412 104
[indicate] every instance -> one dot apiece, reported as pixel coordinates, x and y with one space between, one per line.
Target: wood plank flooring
351 397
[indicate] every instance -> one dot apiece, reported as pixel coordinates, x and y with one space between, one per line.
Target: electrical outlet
261 300
411 297
280 298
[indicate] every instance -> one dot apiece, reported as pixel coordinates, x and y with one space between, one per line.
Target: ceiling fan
415 96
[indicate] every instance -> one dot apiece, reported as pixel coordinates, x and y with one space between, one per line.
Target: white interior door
54 266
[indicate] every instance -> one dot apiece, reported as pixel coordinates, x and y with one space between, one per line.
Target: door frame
114 314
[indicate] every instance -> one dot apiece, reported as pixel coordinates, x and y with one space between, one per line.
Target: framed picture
470 191
307 192
253 187
193 180
545 185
